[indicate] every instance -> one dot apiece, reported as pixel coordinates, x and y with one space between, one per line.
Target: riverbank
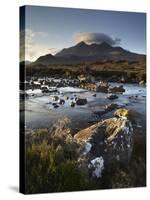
116 71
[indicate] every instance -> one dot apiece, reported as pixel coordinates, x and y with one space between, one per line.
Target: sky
48 29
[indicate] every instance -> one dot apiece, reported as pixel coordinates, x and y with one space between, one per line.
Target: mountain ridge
82 52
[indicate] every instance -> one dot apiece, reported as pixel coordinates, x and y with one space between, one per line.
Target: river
40 113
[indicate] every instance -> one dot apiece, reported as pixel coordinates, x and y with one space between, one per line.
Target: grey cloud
98 38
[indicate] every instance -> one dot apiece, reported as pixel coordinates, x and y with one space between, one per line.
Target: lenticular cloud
98 38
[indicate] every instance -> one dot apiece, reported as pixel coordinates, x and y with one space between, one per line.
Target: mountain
82 49
45 59
82 52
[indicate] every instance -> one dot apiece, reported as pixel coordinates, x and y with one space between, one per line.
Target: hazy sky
48 30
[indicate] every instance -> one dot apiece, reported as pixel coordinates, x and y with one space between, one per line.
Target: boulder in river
116 89
55 98
112 97
61 101
45 89
72 104
55 105
81 102
94 95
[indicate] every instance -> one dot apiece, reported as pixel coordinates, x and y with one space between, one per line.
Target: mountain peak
45 58
82 43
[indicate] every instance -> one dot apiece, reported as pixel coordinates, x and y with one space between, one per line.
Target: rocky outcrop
110 140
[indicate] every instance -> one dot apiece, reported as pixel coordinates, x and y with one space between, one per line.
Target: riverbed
40 112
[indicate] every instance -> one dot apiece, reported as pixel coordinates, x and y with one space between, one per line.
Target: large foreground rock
110 139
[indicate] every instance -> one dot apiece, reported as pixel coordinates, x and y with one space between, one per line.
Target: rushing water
40 113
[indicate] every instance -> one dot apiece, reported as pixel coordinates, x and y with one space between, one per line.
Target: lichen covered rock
122 112
110 139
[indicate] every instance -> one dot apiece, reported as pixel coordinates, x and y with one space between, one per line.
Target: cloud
32 46
98 38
